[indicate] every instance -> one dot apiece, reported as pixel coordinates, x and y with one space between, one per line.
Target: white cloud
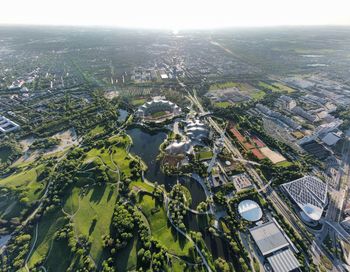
177 14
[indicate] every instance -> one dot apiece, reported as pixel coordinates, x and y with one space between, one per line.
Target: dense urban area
127 150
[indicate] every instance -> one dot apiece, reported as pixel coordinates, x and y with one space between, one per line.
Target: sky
176 14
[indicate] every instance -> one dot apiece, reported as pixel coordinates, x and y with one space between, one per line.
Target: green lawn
259 95
47 227
158 114
161 229
97 130
26 183
178 265
127 257
276 87
142 185
204 155
225 85
118 155
138 102
284 164
284 87
223 104
60 257
98 202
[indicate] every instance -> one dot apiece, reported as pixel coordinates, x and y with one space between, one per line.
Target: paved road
279 204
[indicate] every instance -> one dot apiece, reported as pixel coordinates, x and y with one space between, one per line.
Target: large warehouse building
275 246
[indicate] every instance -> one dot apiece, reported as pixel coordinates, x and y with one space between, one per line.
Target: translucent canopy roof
250 210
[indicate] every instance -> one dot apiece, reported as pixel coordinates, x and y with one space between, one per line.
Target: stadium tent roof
310 194
268 238
283 261
249 210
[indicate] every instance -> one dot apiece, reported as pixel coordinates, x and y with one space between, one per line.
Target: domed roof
250 210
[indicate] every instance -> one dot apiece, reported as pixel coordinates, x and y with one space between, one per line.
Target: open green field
98 203
225 85
24 187
53 263
284 164
258 95
138 102
96 131
141 185
47 227
115 155
223 104
127 256
158 114
161 228
276 87
204 155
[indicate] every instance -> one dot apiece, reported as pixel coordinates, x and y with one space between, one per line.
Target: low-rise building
6 125
241 182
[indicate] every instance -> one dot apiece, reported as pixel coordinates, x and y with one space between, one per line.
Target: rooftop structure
158 110
288 102
321 130
310 194
241 181
278 116
269 238
250 210
196 130
6 125
176 148
331 139
217 180
306 115
283 261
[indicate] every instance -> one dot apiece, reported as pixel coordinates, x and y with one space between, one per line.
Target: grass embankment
45 246
24 187
93 214
161 228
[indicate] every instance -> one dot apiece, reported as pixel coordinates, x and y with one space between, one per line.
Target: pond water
123 114
197 192
146 146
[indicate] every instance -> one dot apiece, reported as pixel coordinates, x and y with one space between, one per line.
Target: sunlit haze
179 14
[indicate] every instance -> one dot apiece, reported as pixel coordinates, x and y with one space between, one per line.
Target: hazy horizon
177 15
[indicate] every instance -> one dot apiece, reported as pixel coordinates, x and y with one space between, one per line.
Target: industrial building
275 246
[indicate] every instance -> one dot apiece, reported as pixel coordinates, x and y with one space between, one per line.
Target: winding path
32 248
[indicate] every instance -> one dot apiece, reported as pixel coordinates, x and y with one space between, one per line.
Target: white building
331 138
288 102
310 194
321 130
6 125
147 110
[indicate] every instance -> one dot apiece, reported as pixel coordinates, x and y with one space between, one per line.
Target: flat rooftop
283 261
268 238
241 181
